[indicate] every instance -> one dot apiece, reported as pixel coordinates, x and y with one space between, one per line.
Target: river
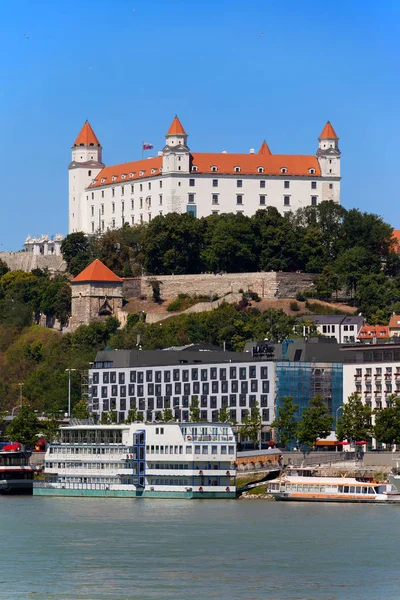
125 549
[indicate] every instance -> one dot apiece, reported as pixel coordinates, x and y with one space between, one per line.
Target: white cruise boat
154 460
303 484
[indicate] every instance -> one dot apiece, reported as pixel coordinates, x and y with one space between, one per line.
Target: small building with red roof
96 294
177 179
374 334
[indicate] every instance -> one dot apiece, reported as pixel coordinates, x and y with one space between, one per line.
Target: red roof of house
328 132
264 148
87 136
176 128
96 271
368 332
394 322
396 240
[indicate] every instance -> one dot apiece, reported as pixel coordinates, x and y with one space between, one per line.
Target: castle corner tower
328 155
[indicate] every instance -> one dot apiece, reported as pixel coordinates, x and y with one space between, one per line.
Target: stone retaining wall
27 261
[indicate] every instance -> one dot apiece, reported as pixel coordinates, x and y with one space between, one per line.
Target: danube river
123 549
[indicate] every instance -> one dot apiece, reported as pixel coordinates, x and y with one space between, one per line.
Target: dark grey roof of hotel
318 349
142 358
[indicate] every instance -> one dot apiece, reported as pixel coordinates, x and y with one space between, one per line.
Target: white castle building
178 180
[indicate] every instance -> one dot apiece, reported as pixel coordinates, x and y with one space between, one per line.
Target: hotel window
262 183
190 197
286 200
262 200
314 200
113 192
239 183
191 182
313 185
215 182
286 185
215 198
239 199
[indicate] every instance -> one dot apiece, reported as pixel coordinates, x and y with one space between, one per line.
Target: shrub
301 297
294 306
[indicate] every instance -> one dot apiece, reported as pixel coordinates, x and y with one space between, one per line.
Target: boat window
346 489
371 490
352 489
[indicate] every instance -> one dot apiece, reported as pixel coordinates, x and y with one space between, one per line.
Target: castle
178 180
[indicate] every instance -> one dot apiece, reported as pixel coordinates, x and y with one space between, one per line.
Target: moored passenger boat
16 475
304 485
154 460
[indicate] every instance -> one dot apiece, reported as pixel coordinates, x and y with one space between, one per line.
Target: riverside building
178 180
152 381
167 460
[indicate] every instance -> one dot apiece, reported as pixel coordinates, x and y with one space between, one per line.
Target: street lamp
21 385
69 390
337 410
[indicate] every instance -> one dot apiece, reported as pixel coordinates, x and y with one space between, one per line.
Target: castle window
92 211
190 197
113 178
215 183
92 227
113 222
239 183
132 220
160 198
141 187
330 161
286 185
179 168
314 200
330 170
313 185
149 185
123 176
102 209
92 195
331 186
132 204
140 202
132 188
122 190
141 218
102 225
191 182
102 180
286 200
89 173
194 168
214 169
149 217
262 183
160 184
283 170
312 171
260 169
141 173
113 207
215 198
237 169
131 175
239 199
102 193
262 200
113 192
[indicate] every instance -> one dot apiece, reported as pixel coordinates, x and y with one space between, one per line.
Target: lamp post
69 390
21 385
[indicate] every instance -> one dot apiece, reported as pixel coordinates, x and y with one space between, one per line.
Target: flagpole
142 149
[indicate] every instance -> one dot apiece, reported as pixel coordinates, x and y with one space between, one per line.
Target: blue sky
130 65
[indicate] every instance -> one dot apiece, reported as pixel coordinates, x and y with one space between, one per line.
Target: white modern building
179 180
151 381
344 329
160 460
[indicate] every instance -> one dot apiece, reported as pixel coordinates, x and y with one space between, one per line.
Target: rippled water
124 549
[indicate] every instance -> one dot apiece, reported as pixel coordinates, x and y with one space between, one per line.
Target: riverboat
16 475
150 460
305 485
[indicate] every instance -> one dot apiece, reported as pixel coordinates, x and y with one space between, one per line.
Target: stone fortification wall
269 286
27 261
131 287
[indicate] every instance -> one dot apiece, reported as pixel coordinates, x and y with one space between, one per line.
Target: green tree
355 423
75 249
131 417
81 410
252 425
167 415
109 417
3 268
194 411
24 428
224 415
156 289
285 422
387 423
316 422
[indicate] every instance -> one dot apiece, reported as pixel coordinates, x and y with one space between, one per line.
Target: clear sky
130 65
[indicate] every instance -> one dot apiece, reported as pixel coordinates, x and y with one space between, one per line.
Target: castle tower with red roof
85 165
96 295
329 159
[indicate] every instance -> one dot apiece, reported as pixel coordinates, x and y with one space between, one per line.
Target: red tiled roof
264 148
87 136
176 128
328 132
396 240
368 332
249 164
394 322
96 271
